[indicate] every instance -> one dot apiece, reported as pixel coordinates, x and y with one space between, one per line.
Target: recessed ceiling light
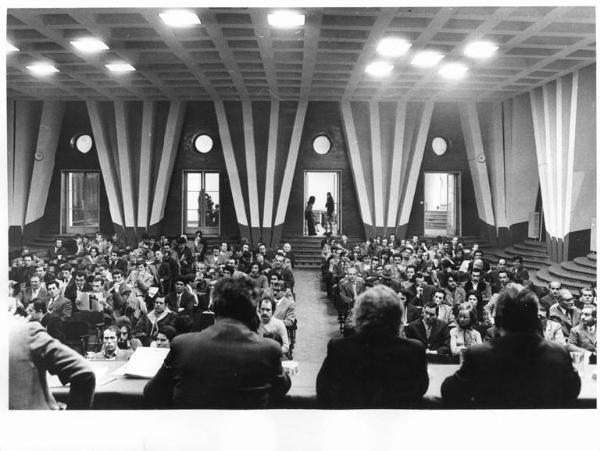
179 18
427 58
120 67
10 48
480 49
393 47
453 71
42 68
89 45
285 19
379 69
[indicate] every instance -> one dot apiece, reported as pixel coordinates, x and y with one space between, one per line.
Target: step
515 250
557 271
585 261
527 260
579 269
532 247
592 256
574 286
535 243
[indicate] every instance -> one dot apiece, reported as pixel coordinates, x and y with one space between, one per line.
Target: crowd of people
150 294
450 292
401 305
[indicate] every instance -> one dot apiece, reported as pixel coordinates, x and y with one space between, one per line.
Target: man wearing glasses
564 311
286 307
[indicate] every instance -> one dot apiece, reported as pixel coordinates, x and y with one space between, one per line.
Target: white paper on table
145 362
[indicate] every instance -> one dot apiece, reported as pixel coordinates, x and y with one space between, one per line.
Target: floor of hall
317 324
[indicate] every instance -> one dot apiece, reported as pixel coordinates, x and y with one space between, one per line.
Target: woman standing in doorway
329 206
308 215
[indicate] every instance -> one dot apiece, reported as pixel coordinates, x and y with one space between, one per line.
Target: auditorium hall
338 172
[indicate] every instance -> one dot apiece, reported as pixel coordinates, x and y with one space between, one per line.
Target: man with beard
271 326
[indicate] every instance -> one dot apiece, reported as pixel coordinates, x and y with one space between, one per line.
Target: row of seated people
437 298
157 292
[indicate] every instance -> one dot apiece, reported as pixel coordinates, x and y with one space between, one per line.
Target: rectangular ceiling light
285 19
42 69
120 67
426 58
179 18
89 45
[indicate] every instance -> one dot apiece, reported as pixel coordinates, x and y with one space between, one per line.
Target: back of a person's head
235 298
378 309
517 311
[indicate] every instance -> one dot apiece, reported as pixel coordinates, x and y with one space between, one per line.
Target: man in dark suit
57 304
519 369
37 311
374 368
430 331
227 365
181 297
35 291
564 312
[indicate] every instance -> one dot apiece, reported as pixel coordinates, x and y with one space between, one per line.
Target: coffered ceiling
235 54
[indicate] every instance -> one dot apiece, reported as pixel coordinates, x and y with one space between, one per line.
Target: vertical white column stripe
415 165
290 167
551 203
355 163
251 163
24 150
107 164
232 170
479 174
538 137
122 129
167 159
398 151
271 159
10 153
376 163
571 154
498 153
47 142
558 152
145 164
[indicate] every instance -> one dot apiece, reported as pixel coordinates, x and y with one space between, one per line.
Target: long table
121 392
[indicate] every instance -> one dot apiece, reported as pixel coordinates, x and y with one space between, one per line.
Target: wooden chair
95 323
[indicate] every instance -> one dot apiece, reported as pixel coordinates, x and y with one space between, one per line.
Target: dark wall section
200 117
445 122
323 117
76 120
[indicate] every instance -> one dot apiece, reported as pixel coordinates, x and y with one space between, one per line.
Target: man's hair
517 258
117 272
79 273
66 267
40 307
378 308
271 300
113 328
236 298
52 282
430 305
517 311
169 332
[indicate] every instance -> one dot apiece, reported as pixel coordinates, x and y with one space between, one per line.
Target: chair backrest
74 329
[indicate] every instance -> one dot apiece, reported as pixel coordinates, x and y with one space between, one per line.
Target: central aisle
317 318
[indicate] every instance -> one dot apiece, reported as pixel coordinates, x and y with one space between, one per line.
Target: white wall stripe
250 153
539 149
10 131
415 162
551 200
145 164
376 163
571 154
107 165
125 175
355 163
232 170
398 150
290 167
498 152
167 159
47 142
479 173
271 159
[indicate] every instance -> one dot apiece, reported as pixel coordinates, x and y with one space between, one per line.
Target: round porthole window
322 144
83 143
203 143
439 145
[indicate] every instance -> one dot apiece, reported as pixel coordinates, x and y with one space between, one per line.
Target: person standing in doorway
308 215
330 207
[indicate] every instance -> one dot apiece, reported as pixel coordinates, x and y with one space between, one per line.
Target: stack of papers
144 363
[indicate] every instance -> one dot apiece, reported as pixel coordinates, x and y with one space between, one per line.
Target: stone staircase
307 250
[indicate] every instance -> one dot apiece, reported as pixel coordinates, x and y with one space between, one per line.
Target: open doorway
80 202
319 184
442 204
